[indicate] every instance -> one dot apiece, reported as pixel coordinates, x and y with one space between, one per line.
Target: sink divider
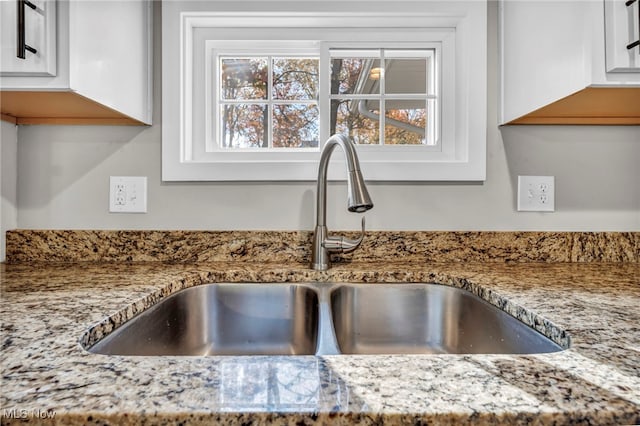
327 341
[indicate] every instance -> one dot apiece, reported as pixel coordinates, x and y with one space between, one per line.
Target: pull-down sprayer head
358 200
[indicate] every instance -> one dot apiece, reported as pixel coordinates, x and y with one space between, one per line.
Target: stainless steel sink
222 319
427 319
323 319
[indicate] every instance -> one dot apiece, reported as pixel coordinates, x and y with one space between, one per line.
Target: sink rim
557 335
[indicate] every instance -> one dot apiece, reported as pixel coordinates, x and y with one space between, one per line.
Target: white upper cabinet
87 62
622 34
560 66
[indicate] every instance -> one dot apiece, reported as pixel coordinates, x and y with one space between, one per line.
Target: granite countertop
47 308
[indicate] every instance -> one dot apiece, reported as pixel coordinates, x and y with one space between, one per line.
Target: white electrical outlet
128 194
536 193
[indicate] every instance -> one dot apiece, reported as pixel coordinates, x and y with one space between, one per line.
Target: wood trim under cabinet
64 107
10 119
592 105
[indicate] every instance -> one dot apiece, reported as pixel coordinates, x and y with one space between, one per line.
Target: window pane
243 78
243 126
357 119
355 76
295 78
405 122
406 76
295 126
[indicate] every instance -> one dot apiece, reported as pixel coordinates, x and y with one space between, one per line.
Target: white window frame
461 25
434 92
213 152
215 101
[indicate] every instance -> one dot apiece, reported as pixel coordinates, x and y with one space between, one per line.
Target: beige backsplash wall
63 175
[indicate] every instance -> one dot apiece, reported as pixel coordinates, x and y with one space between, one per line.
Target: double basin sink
323 319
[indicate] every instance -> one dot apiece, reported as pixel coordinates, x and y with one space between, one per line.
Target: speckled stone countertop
47 308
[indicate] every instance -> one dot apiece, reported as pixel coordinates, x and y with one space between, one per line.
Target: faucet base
320 266
319 255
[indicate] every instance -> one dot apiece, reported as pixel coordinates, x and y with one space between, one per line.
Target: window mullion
269 132
324 93
383 111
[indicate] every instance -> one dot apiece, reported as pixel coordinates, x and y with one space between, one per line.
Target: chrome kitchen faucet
358 201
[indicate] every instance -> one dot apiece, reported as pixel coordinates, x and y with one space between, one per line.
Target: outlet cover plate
536 193
128 194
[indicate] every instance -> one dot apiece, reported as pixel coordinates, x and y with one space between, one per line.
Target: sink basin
322 319
427 319
222 319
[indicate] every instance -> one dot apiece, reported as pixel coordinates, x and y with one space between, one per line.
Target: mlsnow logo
16 413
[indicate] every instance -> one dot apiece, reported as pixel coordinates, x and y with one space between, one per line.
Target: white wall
63 175
8 185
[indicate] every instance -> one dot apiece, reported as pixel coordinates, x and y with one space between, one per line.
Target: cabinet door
39 34
622 31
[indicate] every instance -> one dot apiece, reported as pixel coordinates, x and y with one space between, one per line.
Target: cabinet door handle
22 45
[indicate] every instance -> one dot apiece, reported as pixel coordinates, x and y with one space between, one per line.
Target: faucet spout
358 200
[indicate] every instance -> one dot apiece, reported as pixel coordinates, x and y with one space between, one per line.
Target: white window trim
468 104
